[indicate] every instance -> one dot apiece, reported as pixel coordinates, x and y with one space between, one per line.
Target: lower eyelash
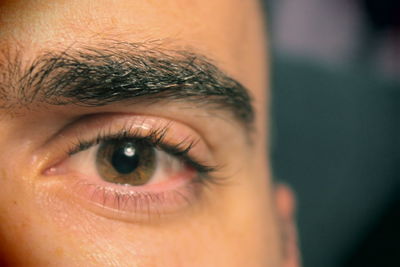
137 205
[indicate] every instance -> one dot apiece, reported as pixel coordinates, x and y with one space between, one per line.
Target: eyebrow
114 72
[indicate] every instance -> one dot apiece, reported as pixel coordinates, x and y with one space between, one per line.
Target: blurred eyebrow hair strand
117 71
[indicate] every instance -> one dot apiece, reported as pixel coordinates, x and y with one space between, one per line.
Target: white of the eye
165 166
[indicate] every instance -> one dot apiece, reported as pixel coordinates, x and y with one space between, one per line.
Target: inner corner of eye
54 169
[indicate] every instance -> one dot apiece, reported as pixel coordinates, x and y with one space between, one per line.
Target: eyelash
155 137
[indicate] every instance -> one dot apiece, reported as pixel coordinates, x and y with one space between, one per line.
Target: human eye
130 167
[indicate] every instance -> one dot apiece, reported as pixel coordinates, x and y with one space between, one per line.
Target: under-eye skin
130 167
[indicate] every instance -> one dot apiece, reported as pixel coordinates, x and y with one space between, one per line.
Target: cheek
232 231
15 220
26 237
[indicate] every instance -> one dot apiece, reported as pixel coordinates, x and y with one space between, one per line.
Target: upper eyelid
140 129
100 119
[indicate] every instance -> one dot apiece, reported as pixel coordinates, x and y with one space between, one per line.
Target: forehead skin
230 33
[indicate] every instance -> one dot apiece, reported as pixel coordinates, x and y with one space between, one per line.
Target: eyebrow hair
112 72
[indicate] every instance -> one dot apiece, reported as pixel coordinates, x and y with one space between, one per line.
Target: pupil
125 159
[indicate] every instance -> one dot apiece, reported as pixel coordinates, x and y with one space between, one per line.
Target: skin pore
197 71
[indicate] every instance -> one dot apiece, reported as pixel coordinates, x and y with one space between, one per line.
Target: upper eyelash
156 138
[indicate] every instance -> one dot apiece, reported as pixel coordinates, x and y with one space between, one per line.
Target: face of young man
129 137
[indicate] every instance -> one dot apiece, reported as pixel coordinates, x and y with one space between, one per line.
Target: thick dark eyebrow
116 71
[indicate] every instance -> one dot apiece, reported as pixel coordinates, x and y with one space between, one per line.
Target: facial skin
59 62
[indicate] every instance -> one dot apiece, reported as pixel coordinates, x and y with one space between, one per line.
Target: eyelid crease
109 116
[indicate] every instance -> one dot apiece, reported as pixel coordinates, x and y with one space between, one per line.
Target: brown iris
126 161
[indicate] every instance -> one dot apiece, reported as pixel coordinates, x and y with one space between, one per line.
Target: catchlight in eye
126 161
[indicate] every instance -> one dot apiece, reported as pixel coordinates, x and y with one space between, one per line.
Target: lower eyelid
129 205
168 184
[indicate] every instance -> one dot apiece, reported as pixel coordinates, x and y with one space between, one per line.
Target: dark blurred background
336 128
